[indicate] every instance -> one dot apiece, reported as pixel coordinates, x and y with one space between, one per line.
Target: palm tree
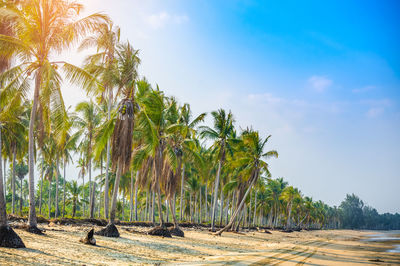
290 194
87 124
74 191
21 170
102 66
43 28
251 157
10 238
122 136
221 135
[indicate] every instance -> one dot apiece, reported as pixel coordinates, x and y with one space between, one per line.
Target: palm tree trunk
227 209
176 225
13 180
101 174
200 213
115 193
289 214
206 203
146 212
20 198
131 199
74 207
153 207
239 208
182 186
255 208
56 200
106 201
136 196
215 196
83 196
4 176
3 213
65 172
32 219
49 202
93 199
40 197
167 212
221 207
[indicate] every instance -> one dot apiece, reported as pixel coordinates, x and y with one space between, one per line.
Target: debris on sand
89 239
176 231
159 231
10 239
109 231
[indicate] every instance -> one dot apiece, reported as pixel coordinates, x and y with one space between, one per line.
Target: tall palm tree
87 124
290 194
43 28
252 158
10 238
102 65
222 137
122 135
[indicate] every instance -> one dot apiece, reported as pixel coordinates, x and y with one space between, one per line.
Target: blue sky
323 77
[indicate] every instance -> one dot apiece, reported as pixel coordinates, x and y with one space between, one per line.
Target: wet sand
61 246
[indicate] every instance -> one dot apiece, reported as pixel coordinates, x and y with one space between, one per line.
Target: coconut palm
252 157
43 28
102 65
74 192
289 195
21 170
87 123
222 137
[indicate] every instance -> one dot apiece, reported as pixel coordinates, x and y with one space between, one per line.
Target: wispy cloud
161 19
319 83
375 112
364 89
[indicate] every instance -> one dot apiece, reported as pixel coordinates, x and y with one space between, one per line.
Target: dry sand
61 246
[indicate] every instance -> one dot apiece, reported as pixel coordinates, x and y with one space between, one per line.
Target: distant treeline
353 214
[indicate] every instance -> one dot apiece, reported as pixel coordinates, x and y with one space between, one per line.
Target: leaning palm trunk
215 196
255 208
239 207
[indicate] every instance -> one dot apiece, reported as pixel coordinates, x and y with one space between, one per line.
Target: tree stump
159 231
89 239
176 231
10 239
109 231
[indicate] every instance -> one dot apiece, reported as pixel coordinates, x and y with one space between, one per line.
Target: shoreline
60 246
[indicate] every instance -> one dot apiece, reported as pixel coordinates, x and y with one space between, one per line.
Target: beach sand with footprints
60 246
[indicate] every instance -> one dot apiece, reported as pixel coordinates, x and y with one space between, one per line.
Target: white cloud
374 112
160 20
319 83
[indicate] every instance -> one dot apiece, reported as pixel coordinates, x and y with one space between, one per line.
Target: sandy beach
60 246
